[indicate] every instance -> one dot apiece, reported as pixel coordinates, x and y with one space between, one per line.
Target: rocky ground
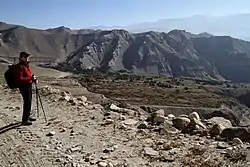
87 129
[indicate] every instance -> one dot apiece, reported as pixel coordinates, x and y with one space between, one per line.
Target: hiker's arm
21 79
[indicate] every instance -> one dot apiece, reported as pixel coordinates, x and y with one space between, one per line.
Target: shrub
237 156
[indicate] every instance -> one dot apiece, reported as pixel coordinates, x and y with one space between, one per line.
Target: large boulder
160 112
216 130
219 124
236 132
223 112
157 116
159 119
220 121
181 122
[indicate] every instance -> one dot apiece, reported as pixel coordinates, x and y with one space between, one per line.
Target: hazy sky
87 13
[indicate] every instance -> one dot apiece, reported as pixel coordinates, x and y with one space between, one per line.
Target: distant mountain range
236 25
176 53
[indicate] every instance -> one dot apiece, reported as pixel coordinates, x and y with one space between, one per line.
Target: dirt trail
78 133
29 146
20 145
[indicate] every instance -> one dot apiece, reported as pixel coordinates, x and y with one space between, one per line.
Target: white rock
221 121
110 165
229 148
197 127
199 123
78 148
122 117
160 112
114 107
171 116
66 98
102 164
82 99
130 122
185 116
222 145
237 141
115 147
122 126
127 111
109 121
68 157
150 152
52 133
194 115
12 107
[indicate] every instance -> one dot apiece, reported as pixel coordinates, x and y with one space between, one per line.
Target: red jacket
24 74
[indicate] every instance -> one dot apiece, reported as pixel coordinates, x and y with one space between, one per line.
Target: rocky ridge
176 54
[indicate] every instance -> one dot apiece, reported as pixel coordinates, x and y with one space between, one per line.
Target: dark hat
24 54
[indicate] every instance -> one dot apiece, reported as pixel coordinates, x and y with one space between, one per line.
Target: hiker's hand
34 79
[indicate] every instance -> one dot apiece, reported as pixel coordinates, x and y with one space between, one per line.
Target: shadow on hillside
9 127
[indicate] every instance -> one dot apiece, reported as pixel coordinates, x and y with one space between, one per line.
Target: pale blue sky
88 13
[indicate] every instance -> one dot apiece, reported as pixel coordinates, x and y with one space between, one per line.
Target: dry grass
237 156
139 92
196 150
197 157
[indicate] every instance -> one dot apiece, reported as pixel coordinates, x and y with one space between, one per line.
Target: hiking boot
32 119
26 123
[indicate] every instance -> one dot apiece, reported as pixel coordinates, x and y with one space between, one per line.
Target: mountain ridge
176 53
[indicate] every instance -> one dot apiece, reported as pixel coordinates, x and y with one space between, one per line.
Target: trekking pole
37 102
40 100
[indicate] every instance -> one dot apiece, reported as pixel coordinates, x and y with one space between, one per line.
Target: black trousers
26 92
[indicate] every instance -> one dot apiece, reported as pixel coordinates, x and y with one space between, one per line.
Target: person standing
25 79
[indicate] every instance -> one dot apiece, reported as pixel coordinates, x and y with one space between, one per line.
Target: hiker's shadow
9 127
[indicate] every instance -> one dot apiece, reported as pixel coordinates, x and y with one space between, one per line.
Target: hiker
25 79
